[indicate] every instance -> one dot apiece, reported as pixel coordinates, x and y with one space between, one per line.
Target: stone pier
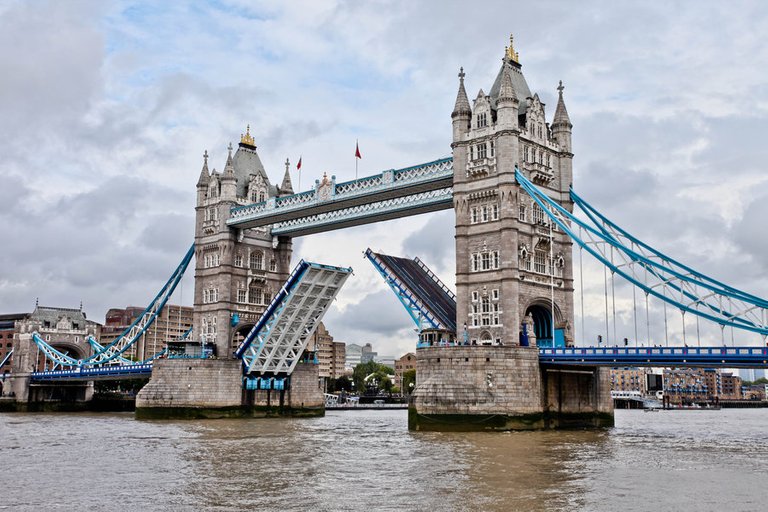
466 388
213 388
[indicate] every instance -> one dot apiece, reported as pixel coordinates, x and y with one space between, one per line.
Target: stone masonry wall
478 380
306 391
193 383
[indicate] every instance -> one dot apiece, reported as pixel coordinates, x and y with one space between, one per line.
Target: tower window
272 265
482 120
238 260
257 260
481 151
540 261
485 213
495 212
493 149
474 215
521 214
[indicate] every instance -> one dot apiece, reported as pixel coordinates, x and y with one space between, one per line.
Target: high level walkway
328 206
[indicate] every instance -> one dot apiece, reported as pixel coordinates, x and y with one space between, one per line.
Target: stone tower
237 272
510 261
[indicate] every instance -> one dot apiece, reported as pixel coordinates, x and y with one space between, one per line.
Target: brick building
172 322
629 379
406 362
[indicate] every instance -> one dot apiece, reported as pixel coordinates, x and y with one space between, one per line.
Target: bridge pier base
213 388
470 388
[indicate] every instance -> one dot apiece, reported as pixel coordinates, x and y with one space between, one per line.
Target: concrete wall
505 388
578 396
192 384
460 388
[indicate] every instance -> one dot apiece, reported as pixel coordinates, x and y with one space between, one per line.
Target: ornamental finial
461 74
247 138
560 88
510 52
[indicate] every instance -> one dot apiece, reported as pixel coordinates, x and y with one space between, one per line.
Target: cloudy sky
107 108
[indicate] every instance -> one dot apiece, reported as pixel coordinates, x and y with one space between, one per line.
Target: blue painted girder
709 357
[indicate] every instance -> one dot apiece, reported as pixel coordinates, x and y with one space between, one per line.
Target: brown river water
369 461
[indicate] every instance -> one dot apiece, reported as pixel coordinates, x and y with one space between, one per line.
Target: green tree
409 377
363 370
343 383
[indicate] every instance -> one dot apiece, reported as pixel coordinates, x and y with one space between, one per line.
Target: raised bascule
499 353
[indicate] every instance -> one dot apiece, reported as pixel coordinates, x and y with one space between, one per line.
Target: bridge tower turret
237 272
510 263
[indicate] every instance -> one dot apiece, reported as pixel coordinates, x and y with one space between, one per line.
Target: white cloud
107 109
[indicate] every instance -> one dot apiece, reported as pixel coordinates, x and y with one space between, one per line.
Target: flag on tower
298 165
357 151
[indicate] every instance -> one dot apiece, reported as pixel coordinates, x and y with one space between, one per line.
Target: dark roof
12 317
522 90
429 291
246 162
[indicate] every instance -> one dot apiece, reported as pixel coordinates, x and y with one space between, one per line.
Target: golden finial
510 50
247 139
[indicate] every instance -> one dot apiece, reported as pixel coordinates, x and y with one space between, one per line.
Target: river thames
368 460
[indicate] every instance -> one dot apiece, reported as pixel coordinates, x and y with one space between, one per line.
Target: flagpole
357 150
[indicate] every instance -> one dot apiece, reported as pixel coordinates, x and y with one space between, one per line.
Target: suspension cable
647 322
682 312
552 277
605 281
581 279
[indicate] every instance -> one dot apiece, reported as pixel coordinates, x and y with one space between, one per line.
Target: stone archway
239 333
541 313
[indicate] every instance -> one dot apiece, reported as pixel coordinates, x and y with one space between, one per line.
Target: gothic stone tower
237 272
511 266
509 259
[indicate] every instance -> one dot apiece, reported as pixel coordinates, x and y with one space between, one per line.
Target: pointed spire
509 51
205 176
229 168
561 114
286 187
507 89
462 102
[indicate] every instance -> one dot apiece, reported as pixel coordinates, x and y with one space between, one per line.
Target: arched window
257 260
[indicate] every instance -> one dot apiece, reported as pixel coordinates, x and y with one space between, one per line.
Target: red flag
357 151
298 165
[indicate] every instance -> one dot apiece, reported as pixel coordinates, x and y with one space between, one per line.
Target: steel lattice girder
650 270
390 184
127 338
278 339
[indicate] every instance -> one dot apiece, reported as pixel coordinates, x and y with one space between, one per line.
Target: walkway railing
389 184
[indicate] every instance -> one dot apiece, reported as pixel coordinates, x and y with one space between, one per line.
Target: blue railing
86 373
657 356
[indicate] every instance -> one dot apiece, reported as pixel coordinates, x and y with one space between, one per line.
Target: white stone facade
504 263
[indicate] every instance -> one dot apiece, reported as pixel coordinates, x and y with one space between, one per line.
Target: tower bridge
498 353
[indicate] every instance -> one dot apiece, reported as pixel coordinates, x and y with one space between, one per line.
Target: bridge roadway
113 372
702 357
709 357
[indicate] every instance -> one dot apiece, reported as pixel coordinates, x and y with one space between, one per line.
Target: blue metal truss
277 341
329 195
421 315
650 270
129 336
86 373
708 357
